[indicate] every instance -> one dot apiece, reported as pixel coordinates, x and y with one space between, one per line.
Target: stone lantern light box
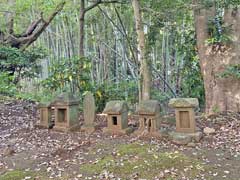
117 116
184 112
66 112
149 117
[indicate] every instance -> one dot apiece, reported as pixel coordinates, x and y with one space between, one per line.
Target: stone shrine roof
115 107
148 107
183 102
44 105
65 99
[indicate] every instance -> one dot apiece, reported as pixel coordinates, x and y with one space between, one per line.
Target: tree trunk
9 17
145 76
221 94
81 32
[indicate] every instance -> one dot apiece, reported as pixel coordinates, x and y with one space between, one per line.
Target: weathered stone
185 116
191 144
65 99
183 102
180 138
9 151
45 115
129 130
89 113
66 108
117 117
197 136
148 107
185 138
115 107
149 117
164 132
208 130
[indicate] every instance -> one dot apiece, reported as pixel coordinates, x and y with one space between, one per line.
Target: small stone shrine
89 113
45 115
66 112
117 117
149 117
184 112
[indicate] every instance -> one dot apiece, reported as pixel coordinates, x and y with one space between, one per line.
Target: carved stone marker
185 116
45 115
149 117
117 117
66 112
89 113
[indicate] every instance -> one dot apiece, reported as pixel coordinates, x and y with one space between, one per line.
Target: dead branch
33 31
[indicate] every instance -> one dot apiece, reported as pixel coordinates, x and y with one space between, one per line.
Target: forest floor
27 152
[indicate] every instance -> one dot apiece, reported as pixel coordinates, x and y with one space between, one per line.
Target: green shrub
19 63
6 85
125 90
231 71
69 75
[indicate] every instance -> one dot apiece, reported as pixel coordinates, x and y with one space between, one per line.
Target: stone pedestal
66 112
185 116
117 117
185 138
149 117
89 113
45 115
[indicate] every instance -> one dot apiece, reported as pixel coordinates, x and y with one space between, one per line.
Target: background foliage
109 69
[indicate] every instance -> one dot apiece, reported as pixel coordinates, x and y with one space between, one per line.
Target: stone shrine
149 117
117 117
45 115
184 112
66 112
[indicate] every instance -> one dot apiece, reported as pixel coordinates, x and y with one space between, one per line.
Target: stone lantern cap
148 107
183 103
65 99
115 107
44 105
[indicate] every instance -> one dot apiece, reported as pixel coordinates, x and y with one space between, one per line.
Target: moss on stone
183 102
115 107
150 107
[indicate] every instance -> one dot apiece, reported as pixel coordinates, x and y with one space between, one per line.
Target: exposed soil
48 154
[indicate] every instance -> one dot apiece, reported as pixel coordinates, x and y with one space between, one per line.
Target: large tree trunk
145 76
221 94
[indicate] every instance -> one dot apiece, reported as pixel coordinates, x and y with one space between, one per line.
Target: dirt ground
27 152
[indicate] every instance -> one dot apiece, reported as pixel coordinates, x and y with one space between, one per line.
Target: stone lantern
45 115
89 113
66 111
184 112
149 117
117 117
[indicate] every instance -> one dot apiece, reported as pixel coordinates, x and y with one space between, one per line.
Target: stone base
43 126
147 134
40 126
124 131
88 128
185 138
164 132
66 129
